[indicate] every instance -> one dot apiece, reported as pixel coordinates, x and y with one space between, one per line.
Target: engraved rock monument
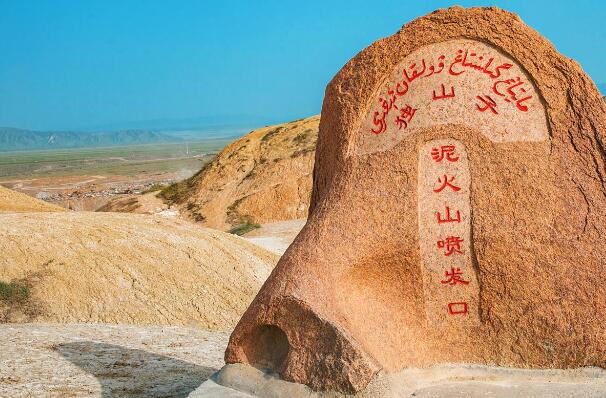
458 213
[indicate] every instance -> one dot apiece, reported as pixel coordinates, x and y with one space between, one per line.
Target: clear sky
84 64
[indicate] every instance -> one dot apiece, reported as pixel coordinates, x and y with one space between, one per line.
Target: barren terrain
276 236
127 268
87 178
263 177
128 361
18 202
75 360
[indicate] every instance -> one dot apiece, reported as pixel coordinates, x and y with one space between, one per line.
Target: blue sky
85 64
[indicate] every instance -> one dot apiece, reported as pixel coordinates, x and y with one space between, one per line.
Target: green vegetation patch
233 217
194 210
154 188
14 292
177 192
301 137
244 228
271 133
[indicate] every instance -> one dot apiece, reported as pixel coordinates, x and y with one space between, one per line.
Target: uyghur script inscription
449 280
459 82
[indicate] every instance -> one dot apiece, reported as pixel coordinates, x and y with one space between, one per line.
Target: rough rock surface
147 203
353 294
19 202
127 268
264 176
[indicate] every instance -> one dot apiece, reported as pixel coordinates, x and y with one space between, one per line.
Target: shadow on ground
125 372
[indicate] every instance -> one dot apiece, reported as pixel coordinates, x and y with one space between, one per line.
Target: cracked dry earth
97 360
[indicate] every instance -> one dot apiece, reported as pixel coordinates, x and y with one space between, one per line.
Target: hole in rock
266 348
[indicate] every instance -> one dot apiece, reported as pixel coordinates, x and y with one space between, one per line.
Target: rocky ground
442 381
147 203
88 193
96 360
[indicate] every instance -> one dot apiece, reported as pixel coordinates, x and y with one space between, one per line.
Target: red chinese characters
444 94
450 69
459 308
444 151
379 118
453 277
486 103
450 246
447 217
446 181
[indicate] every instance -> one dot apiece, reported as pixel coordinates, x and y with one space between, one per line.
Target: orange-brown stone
358 293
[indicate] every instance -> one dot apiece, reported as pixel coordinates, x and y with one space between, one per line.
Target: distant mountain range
13 139
133 133
217 122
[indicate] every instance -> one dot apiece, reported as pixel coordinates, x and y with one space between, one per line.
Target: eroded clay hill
264 176
126 268
16 201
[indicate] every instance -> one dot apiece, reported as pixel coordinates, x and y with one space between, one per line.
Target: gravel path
96 360
276 236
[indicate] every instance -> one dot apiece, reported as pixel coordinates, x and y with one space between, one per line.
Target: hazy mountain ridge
13 139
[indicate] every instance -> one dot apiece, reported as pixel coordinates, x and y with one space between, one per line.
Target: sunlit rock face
457 213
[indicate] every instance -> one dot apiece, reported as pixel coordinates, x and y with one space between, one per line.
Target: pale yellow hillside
264 176
127 268
16 201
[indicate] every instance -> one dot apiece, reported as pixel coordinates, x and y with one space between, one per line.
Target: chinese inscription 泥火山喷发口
450 283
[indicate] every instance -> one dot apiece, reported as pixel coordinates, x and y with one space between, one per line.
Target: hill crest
264 176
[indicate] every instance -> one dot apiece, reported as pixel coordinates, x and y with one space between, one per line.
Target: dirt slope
147 203
16 201
127 268
264 176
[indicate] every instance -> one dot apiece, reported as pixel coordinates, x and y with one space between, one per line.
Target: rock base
244 381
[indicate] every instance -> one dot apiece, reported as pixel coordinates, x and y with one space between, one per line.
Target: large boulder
457 213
